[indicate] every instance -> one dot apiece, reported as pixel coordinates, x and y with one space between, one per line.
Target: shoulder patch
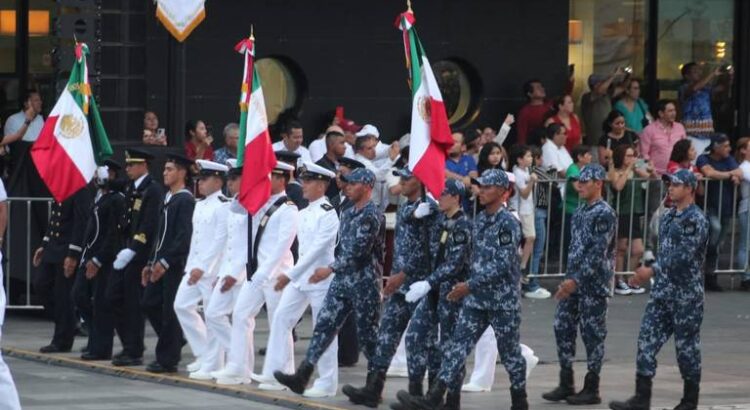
505 238
602 225
460 237
689 228
327 207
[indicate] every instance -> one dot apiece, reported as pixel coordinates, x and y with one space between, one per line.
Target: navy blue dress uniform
412 258
494 299
591 265
64 238
293 188
171 247
450 249
676 303
102 240
143 197
354 290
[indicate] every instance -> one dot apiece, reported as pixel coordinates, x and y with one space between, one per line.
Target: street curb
170 380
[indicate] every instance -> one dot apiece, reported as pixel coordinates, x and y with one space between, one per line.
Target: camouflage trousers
422 344
337 306
396 315
662 319
469 328
590 314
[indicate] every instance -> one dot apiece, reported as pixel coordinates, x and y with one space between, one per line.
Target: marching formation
138 252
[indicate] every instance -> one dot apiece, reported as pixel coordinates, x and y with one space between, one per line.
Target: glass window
460 88
7 36
281 86
41 14
699 32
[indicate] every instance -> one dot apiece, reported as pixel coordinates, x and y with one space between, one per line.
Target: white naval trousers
485 357
8 394
186 302
399 359
252 297
220 307
291 307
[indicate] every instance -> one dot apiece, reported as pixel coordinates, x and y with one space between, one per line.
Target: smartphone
640 163
160 133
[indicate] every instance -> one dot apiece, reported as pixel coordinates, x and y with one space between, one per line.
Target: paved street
726 371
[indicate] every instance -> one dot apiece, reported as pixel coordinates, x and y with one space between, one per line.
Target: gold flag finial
408 6
252 33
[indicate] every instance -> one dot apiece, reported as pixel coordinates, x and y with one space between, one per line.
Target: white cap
102 173
231 163
209 168
368 129
283 166
315 171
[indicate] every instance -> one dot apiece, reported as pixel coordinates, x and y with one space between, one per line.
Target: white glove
417 290
123 258
422 210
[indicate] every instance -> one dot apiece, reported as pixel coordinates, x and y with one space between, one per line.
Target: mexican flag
72 141
254 152
430 132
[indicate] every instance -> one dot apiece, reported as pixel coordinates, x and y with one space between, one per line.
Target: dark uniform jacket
175 229
65 234
102 237
140 221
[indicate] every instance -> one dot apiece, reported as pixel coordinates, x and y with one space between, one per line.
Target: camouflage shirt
591 253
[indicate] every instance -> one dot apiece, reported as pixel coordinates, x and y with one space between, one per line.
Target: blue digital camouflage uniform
411 256
355 287
450 249
590 265
494 298
676 303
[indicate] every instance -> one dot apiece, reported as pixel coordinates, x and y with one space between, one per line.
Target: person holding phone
26 124
152 134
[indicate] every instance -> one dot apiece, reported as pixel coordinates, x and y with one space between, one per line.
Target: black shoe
590 392
641 400
296 382
82 332
347 364
88 356
119 354
53 348
126 360
518 400
564 389
745 285
690 391
453 401
371 394
432 400
156 367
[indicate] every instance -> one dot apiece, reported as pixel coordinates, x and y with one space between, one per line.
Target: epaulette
327 207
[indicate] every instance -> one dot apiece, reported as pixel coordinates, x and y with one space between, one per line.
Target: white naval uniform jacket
234 257
274 250
316 235
209 233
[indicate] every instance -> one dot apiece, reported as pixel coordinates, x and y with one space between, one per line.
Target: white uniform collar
140 179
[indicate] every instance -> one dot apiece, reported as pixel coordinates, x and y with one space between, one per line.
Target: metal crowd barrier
22 240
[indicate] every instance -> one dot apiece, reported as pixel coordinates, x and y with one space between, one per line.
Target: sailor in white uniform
8 393
274 228
317 232
206 244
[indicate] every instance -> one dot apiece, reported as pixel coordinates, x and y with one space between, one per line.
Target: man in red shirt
532 115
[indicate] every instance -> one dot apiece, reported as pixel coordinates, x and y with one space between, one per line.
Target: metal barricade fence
23 234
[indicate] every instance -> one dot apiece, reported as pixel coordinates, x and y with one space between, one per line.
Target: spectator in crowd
695 100
291 140
543 190
581 157
458 165
628 201
742 155
335 149
658 138
382 150
231 138
488 134
554 153
633 108
533 113
564 113
616 134
492 156
597 103
364 149
683 157
523 199
319 147
26 124
474 144
198 145
152 134
350 129
723 171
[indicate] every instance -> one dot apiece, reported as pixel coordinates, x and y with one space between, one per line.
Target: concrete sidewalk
726 359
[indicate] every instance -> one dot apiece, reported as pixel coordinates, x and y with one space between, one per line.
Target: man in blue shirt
460 166
718 165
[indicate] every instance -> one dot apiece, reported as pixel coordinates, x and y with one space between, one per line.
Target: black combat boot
590 392
564 389
371 394
453 401
518 400
415 389
296 382
642 398
690 392
432 400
